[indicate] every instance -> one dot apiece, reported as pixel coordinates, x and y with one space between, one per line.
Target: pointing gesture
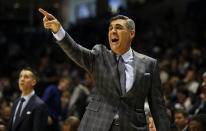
49 21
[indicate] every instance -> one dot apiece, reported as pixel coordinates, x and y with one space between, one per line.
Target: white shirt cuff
60 34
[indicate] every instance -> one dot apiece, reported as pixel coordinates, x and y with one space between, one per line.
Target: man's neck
25 93
121 52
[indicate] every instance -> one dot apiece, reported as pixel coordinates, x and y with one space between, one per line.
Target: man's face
64 85
26 81
195 126
120 37
181 97
180 120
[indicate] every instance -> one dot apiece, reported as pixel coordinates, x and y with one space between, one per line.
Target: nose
21 79
113 31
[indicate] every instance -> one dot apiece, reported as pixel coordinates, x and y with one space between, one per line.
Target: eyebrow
116 25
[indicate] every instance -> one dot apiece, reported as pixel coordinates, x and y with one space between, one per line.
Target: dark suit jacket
102 65
34 116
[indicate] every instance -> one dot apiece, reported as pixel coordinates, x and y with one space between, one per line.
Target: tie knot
22 99
121 59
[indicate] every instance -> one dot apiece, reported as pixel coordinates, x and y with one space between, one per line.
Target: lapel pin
28 112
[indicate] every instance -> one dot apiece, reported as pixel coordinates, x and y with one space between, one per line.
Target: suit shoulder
99 48
39 102
146 58
15 102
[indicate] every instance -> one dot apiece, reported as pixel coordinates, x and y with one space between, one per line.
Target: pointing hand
49 21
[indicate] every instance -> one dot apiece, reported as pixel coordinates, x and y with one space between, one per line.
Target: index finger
45 13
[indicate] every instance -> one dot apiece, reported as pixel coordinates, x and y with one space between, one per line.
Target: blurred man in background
80 97
181 120
71 124
52 98
29 112
198 123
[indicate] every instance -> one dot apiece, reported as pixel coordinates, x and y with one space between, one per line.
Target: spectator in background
7 91
52 98
6 113
71 124
183 101
2 126
80 97
183 65
198 123
181 119
173 71
190 83
167 89
65 97
4 103
151 124
29 112
200 103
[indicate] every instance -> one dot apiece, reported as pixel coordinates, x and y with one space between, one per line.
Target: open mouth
115 40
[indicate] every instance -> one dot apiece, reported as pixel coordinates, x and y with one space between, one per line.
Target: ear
132 34
34 82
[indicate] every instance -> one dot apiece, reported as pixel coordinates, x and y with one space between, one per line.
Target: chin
114 47
21 88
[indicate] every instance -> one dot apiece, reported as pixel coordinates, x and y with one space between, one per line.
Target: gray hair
129 22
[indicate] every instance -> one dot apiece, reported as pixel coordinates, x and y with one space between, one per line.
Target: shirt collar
27 97
127 55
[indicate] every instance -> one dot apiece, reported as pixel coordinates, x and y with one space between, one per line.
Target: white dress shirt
60 34
129 65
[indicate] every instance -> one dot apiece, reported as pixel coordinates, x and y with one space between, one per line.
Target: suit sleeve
40 118
156 102
80 55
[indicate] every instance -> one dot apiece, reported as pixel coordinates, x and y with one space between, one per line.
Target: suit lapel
138 71
115 74
14 108
138 66
13 113
28 107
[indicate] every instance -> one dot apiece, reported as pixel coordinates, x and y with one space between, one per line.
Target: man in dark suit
29 113
123 79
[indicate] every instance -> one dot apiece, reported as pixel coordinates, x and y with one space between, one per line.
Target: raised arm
79 54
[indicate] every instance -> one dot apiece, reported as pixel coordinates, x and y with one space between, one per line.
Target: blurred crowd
178 45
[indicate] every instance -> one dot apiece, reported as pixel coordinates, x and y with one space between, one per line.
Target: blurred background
171 31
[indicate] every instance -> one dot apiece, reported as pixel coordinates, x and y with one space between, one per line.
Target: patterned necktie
19 110
122 74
